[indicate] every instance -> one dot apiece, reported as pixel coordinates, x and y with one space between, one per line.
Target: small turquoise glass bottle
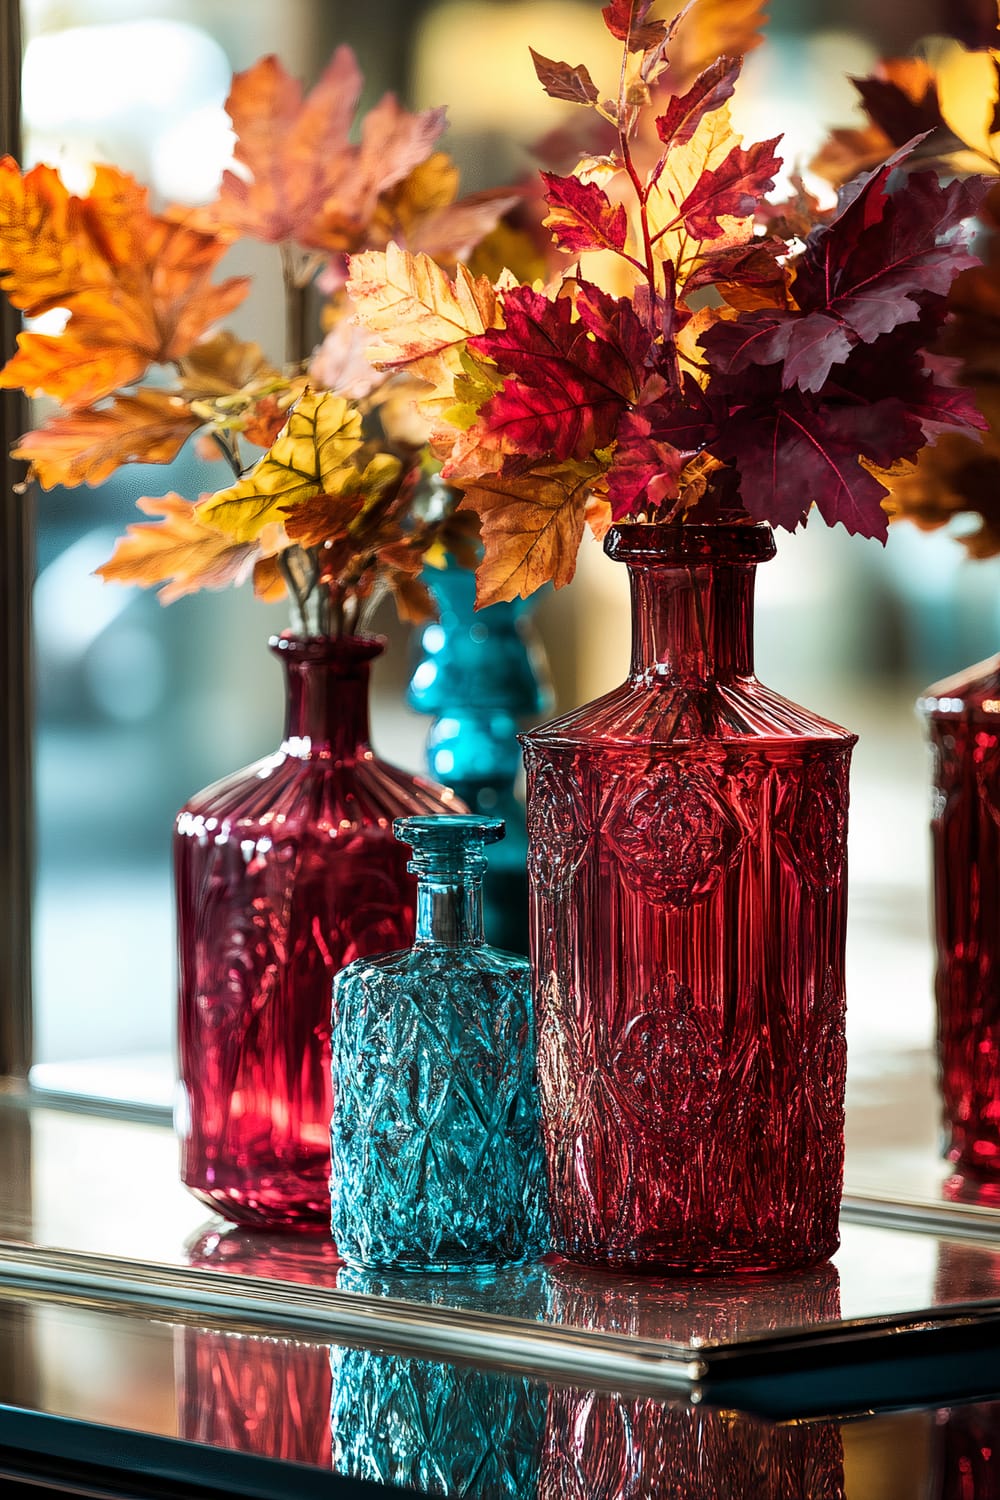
435 1137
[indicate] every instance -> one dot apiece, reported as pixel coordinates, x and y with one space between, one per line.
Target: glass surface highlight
437 1159
687 856
285 872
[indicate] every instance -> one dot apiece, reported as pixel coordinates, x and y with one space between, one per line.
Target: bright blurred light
146 94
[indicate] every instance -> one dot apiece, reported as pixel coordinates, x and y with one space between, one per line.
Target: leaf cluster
139 366
951 97
719 345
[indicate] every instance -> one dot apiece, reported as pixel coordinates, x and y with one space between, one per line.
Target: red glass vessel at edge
963 725
688 873
285 872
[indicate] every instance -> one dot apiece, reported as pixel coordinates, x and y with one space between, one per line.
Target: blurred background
139 706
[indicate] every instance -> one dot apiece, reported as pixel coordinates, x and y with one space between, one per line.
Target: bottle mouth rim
450 832
664 544
327 648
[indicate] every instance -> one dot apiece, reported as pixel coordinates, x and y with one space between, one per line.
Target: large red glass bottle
963 725
285 872
688 872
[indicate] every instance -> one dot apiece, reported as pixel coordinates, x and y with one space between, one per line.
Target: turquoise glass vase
435 1134
481 675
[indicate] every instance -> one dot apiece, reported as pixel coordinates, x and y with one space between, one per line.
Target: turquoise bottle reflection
436 1147
481 675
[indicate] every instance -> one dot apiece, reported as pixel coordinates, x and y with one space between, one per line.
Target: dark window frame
16 576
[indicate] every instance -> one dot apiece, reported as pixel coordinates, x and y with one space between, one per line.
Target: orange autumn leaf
716 28
531 528
302 179
84 447
179 554
136 286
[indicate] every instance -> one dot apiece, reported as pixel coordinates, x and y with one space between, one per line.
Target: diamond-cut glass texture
436 1145
687 855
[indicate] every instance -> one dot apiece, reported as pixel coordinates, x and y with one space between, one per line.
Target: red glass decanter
963 725
285 872
687 858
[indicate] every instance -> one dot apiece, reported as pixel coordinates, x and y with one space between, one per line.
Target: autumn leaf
560 81
717 28
582 217
709 92
86 446
221 366
179 554
627 20
684 169
795 453
136 286
531 528
423 213
731 190
312 456
572 368
655 444
302 179
879 264
423 317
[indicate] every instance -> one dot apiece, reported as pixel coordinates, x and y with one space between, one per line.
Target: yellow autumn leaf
707 148
422 317
311 456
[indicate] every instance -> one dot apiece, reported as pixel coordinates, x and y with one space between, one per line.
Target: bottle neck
692 622
450 912
326 705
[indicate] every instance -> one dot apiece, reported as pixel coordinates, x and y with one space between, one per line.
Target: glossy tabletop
92 1207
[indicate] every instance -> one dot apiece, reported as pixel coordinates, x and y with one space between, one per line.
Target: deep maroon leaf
894 112
626 20
806 346
730 190
583 217
794 453
561 81
709 92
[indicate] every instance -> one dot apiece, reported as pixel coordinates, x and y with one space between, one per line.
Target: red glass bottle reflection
285 872
687 860
963 724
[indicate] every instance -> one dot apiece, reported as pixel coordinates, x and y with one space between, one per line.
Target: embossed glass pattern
438 1429
687 860
437 1160
963 725
285 872
608 1447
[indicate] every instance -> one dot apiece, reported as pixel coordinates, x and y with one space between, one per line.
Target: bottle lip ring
664 544
447 833
327 648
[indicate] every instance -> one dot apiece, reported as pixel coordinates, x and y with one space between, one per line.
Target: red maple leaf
709 91
582 215
731 190
572 370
